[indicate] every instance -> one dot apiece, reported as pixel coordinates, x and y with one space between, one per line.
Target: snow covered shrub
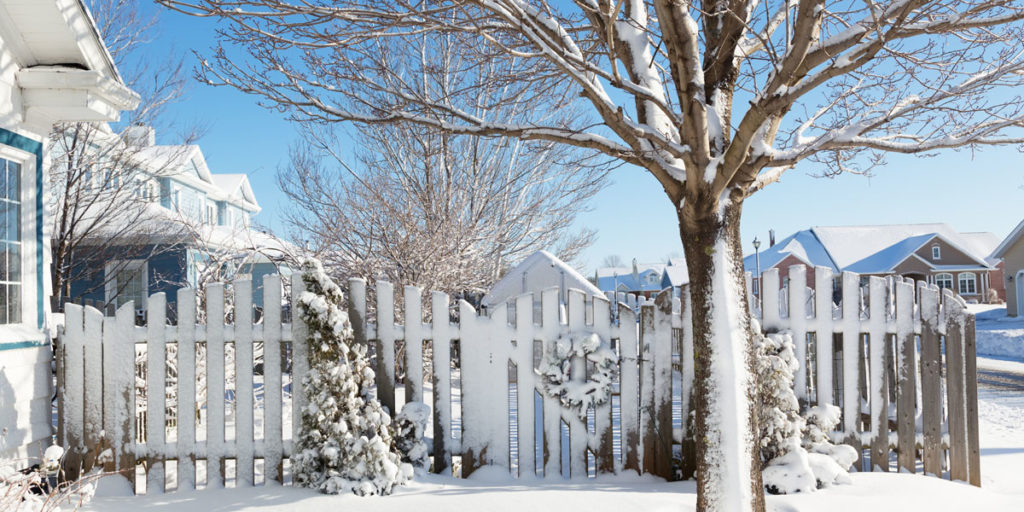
555 369
36 489
345 443
410 426
785 468
830 461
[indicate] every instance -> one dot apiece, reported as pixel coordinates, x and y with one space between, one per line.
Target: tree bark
728 465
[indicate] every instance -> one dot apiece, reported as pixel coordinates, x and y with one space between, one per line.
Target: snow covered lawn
998 335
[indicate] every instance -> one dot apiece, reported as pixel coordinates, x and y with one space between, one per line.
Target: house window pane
131 285
944 280
10 242
936 254
968 284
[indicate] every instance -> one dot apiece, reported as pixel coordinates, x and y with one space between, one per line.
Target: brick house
934 253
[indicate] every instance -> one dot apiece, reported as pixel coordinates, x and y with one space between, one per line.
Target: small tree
345 443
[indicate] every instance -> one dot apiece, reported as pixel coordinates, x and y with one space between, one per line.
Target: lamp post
757 264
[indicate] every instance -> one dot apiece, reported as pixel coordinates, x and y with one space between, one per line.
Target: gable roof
869 249
539 271
1000 250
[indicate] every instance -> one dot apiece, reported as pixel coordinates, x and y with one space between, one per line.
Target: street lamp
757 264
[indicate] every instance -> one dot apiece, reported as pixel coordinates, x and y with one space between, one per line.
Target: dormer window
936 252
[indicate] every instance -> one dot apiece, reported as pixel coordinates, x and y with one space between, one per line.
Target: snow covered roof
675 273
187 164
802 245
869 249
539 271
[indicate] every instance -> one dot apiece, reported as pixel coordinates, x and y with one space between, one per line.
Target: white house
54 67
538 272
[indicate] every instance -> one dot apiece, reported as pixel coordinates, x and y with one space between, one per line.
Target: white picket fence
897 344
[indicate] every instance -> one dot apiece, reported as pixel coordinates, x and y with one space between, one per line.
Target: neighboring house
197 228
1011 252
53 68
538 272
646 279
934 253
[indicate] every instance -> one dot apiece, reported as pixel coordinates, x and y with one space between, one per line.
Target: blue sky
633 218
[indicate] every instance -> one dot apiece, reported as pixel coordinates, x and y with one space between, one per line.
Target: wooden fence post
300 359
823 334
629 388
245 404
603 414
215 383
186 423
273 436
156 392
386 346
550 330
661 352
442 337
956 407
526 386
931 385
851 361
878 390
971 383
906 377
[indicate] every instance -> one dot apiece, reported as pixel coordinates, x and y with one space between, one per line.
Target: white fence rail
893 358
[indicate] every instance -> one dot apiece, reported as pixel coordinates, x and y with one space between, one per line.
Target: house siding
1013 262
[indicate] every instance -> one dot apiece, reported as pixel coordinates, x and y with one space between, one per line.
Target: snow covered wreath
555 368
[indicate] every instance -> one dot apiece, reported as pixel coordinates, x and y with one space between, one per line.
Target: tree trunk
728 463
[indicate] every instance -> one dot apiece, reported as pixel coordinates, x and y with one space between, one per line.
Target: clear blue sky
633 218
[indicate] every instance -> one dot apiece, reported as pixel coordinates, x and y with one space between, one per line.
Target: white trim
960 283
936 252
27 197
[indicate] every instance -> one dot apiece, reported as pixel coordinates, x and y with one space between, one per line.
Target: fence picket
648 419
272 392
300 357
119 387
484 416
906 378
413 344
215 380
661 352
955 392
386 346
526 385
186 423
245 404
73 390
576 317
550 330
971 384
878 389
851 360
770 318
798 324
823 344
94 386
931 386
442 338
629 388
689 447
156 392
603 446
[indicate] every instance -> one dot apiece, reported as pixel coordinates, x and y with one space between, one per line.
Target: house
1011 253
197 227
643 279
934 253
536 273
54 68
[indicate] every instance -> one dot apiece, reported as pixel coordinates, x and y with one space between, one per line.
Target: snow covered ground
1001 406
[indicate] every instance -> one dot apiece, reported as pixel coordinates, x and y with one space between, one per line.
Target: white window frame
961 279
936 252
27 328
110 287
951 280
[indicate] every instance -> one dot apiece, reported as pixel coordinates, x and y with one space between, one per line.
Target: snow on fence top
490 381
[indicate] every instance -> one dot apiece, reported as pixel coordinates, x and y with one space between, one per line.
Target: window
129 283
944 280
211 214
10 242
936 253
968 283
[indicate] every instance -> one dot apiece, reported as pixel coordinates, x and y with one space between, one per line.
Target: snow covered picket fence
907 385
97 406
898 360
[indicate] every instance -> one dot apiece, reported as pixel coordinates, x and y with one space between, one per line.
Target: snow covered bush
345 443
410 425
796 452
555 371
37 489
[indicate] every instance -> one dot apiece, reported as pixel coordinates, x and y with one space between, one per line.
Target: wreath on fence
556 365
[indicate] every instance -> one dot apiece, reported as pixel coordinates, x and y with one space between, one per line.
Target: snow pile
410 426
796 452
345 444
37 490
555 370
998 335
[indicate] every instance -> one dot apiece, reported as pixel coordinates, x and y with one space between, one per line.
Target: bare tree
102 184
443 211
613 260
716 99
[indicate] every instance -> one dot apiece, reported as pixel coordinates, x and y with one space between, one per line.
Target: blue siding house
197 229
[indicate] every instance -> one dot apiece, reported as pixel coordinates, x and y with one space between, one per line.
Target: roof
870 249
1009 241
675 273
539 271
171 161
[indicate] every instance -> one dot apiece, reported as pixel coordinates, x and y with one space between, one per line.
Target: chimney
139 136
771 238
